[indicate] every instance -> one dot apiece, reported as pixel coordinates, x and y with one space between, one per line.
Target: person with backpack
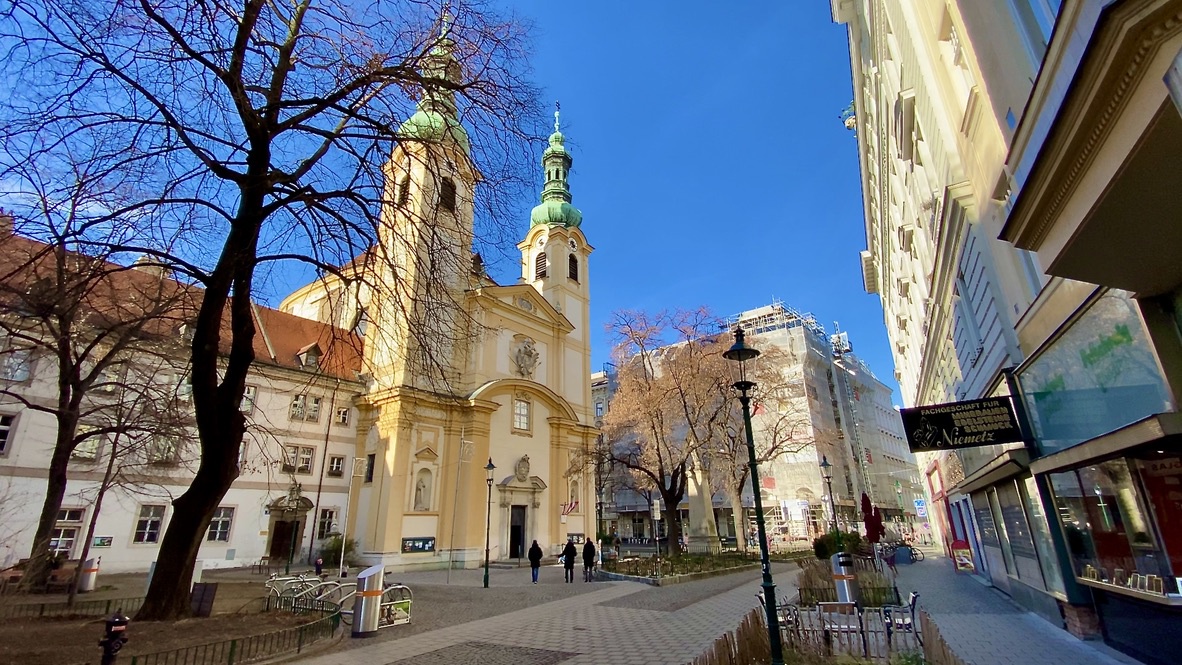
569 554
535 560
588 561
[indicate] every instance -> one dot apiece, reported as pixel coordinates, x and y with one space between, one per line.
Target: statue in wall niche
423 492
525 358
521 469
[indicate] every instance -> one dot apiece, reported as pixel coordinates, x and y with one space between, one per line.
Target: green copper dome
556 213
434 126
555 208
436 119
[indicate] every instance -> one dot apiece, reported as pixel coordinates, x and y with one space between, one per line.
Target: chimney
5 223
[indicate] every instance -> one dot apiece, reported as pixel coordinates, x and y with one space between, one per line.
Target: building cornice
1127 37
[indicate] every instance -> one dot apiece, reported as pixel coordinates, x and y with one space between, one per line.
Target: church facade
477 412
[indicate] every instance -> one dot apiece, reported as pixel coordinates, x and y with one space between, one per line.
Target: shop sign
962 557
416 545
956 425
102 541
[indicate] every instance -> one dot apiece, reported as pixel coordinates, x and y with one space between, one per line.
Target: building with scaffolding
836 409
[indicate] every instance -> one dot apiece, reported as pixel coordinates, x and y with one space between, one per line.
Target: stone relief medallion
524 303
521 469
525 358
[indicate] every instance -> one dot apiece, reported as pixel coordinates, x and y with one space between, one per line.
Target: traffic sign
921 508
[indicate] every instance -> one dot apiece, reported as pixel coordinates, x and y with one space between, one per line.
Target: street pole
741 352
488 517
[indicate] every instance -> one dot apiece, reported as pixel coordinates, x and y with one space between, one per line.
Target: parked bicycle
891 550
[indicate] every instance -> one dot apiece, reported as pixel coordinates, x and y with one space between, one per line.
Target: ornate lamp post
292 504
488 478
828 476
741 353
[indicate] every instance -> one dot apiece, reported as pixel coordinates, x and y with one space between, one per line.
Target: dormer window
540 266
572 267
309 356
447 194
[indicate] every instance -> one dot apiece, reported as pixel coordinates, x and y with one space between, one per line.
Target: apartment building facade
1079 102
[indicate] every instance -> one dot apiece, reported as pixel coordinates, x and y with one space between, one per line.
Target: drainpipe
320 484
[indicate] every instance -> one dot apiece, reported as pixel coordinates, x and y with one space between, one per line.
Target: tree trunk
94 514
739 517
168 595
37 570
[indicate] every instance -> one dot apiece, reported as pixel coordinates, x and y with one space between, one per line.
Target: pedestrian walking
535 560
319 567
569 554
588 561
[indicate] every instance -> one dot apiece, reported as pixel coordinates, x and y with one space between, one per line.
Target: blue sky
711 164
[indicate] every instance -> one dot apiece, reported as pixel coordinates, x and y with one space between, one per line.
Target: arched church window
540 266
572 267
447 194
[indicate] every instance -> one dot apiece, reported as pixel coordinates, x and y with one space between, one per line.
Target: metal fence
81 608
874 634
257 647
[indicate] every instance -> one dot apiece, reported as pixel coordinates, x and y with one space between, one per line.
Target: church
476 413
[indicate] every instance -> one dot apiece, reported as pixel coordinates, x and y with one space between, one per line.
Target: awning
1155 428
1009 463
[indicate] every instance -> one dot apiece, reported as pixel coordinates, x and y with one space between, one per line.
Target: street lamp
488 478
292 503
741 353
828 476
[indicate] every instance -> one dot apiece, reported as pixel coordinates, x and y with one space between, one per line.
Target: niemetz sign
979 422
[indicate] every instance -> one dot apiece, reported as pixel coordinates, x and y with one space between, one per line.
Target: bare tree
780 422
78 316
668 406
259 133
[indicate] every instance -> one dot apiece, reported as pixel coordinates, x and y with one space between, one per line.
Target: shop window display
1110 534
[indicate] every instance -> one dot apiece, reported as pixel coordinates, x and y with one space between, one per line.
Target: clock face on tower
574 246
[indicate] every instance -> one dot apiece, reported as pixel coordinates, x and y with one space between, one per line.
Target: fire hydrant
115 637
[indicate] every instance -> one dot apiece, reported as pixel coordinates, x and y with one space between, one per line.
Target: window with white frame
65 531
342 416
326 523
249 398
599 409
147 527
298 459
219 526
336 466
305 407
7 423
163 451
520 413
16 365
88 448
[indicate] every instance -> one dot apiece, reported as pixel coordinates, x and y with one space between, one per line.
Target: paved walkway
984 627
616 624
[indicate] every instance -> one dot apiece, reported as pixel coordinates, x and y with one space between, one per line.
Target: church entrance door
282 536
516 532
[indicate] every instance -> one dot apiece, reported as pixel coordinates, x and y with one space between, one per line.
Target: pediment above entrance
524 299
426 454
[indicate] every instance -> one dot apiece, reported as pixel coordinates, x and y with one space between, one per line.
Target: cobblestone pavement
985 627
612 623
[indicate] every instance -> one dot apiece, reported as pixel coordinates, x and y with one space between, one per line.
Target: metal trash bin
367 604
845 578
89 578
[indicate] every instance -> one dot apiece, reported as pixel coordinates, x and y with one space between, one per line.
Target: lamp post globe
741 353
488 479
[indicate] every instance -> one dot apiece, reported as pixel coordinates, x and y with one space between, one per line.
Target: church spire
555 208
437 117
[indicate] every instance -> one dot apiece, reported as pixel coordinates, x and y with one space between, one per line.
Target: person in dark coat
569 554
535 560
588 561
